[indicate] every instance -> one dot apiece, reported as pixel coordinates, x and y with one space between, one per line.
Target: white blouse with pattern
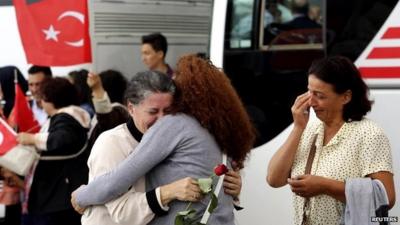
359 148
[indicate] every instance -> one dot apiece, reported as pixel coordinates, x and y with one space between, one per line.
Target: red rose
220 169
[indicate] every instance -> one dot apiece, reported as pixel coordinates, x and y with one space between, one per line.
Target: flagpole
16 127
2 103
15 76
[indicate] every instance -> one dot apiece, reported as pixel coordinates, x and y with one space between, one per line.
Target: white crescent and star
51 33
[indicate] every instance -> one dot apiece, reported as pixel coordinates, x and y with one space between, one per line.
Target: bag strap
217 189
311 156
64 157
307 170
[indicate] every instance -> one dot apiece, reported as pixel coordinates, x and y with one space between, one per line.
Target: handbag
22 157
19 159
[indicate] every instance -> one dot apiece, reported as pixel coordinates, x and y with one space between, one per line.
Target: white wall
11 51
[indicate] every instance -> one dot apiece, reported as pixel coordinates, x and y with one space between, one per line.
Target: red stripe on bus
380 72
391 33
384 53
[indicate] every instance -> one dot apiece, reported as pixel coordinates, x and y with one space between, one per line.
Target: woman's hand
94 82
306 185
233 183
26 138
300 110
186 189
74 204
310 186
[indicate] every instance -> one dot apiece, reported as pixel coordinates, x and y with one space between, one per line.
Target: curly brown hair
206 93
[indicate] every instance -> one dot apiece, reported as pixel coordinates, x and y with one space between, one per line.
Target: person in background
78 79
314 13
188 143
301 19
51 181
108 90
7 86
345 143
9 188
36 76
154 50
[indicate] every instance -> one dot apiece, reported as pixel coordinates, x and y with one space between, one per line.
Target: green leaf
186 212
191 214
214 203
183 213
205 184
185 217
179 220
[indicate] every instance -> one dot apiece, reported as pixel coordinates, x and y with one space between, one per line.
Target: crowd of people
115 151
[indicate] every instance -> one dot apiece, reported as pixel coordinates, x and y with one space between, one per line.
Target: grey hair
148 82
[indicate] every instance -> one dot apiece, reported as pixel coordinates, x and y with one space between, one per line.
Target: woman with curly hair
208 120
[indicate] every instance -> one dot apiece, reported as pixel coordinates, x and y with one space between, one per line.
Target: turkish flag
21 115
8 138
54 32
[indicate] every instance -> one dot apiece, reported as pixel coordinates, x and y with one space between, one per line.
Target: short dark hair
59 91
79 78
147 82
157 41
114 83
43 69
343 75
300 7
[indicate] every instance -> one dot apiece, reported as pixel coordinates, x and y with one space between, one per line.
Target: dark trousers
66 217
13 215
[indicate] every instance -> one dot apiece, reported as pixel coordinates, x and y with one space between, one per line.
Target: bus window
291 25
241 25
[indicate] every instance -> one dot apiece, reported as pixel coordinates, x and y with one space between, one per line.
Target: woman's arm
376 159
387 179
156 145
281 162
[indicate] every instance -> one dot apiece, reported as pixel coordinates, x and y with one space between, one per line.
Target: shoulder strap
206 214
311 156
307 170
64 157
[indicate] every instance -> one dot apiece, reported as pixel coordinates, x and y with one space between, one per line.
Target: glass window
291 24
241 23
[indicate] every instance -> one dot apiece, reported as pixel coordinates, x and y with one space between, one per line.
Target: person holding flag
36 76
62 164
21 117
12 86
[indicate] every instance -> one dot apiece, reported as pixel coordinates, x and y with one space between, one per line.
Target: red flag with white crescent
54 32
8 138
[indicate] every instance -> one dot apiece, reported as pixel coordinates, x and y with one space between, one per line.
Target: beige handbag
19 159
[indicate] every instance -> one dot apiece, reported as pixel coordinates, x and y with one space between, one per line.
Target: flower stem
188 206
